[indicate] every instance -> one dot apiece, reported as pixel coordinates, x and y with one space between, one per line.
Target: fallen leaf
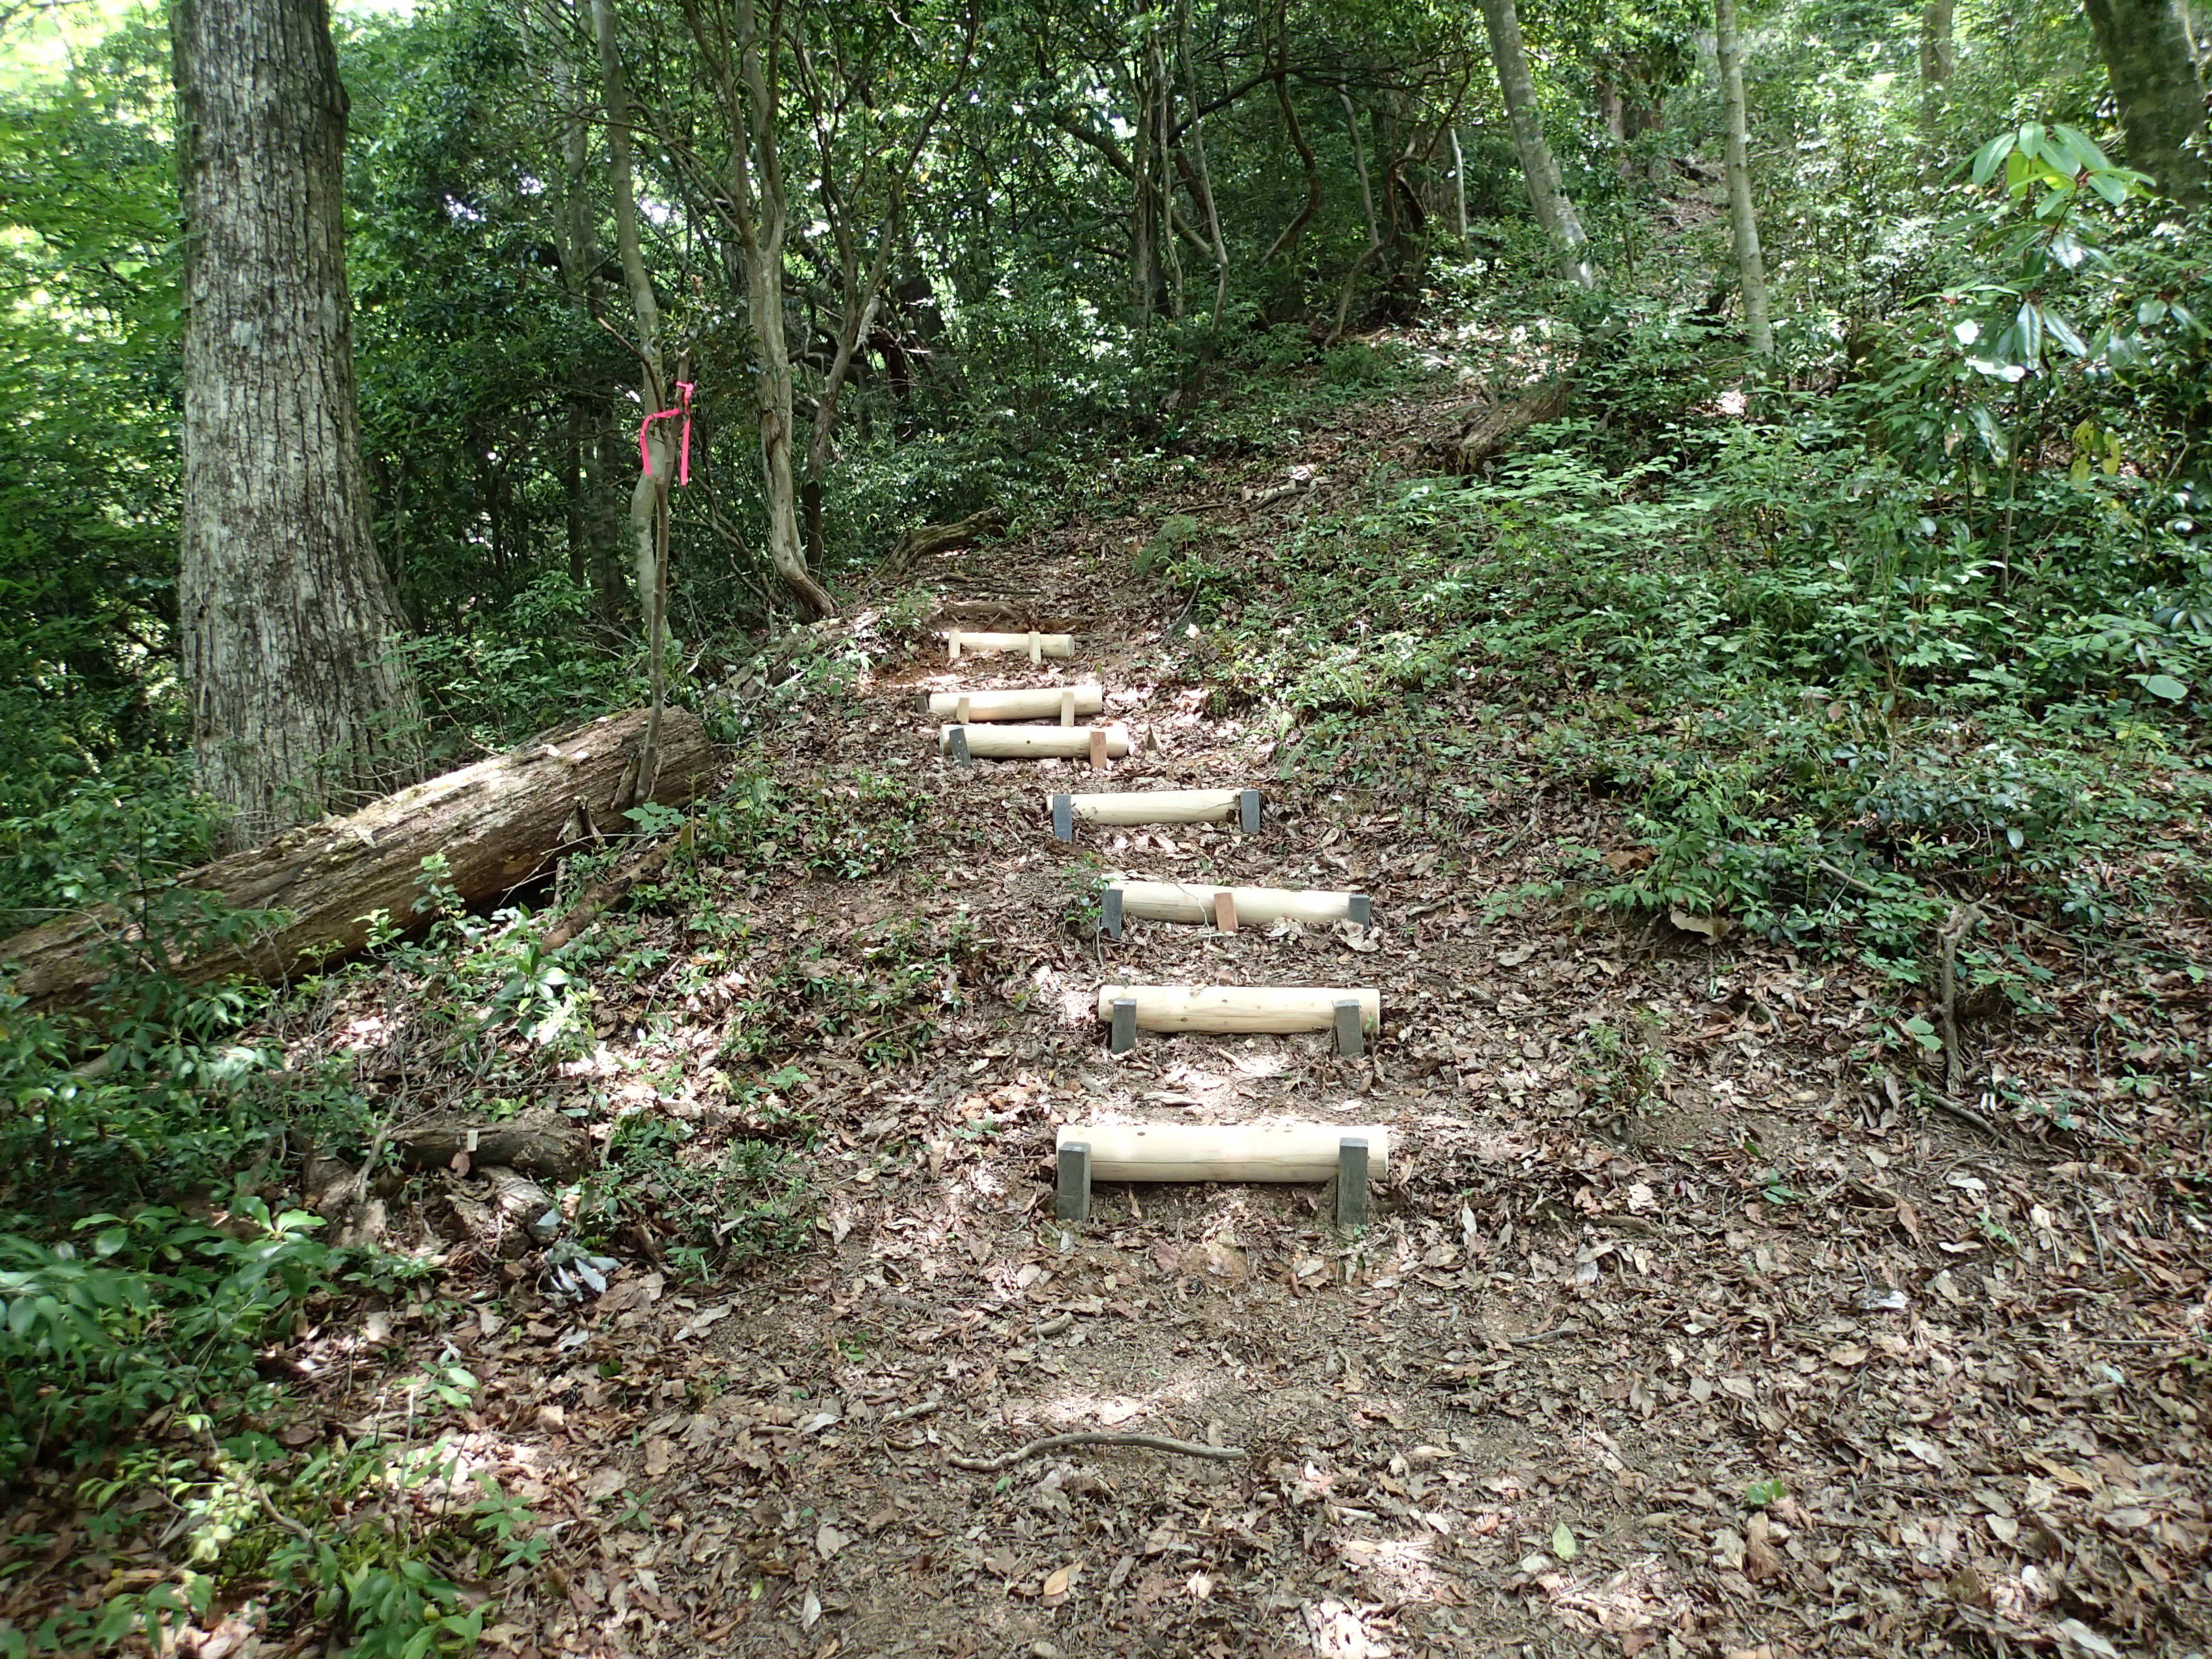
1055 1583
1563 1542
1760 1558
1711 929
827 1540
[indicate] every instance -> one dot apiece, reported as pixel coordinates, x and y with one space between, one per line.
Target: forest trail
1763 1364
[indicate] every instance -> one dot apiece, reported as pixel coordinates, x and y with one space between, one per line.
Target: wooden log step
1190 1151
1041 702
1352 1013
1157 806
1035 647
1224 1151
1227 907
1101 742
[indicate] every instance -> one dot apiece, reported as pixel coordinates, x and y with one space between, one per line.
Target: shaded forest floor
1699 1340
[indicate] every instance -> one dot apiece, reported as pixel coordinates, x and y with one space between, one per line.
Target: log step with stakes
1157 806
1349 1154
1100 744
1226 907
1066 703
1350 1012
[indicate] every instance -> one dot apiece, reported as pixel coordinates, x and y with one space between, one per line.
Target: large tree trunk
2154 81
498 824
298 702
1743 224
1546 194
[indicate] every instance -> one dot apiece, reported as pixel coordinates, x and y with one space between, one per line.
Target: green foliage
858 824
135 1311
710 1208
879 993
1825 678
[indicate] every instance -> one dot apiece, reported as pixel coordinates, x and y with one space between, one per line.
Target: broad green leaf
2031 141
1563 1542
1992 436
2082 147
2061 331
1991 156
2164 685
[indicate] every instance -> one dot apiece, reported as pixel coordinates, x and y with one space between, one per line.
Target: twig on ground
1062 1442
1567 1329
905 1414
1966 1115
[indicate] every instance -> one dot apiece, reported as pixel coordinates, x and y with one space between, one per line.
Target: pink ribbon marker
683 450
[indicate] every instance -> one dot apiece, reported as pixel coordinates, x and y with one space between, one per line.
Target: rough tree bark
1555 212
1743 224
498 824
2146 49
289 620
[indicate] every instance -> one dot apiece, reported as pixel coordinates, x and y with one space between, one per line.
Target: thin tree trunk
592 560
2146 51
298 705
1374 232
863 299
1459 178
1163 116
649 500
1287 238
1555 211
762 222
1939 55
1204 179
1743 225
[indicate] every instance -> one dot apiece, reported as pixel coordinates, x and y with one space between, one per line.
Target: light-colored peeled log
1227 1151
1157 806
1031 742
959 640
1239 1007
1035 703
1184 901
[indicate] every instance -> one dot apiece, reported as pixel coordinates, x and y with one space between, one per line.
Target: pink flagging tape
683 450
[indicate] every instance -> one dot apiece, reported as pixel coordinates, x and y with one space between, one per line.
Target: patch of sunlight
1638 1596
1335 1630
1402 1569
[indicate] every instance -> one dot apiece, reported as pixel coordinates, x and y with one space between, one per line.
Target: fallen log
499 824
1492 427
928 540
539 1143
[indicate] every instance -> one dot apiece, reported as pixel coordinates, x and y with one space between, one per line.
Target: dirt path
1765 1365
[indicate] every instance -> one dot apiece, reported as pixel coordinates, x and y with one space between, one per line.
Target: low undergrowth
1825 704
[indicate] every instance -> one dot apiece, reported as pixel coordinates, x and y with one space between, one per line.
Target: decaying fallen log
537 1143
927 540
498 823
1489 429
